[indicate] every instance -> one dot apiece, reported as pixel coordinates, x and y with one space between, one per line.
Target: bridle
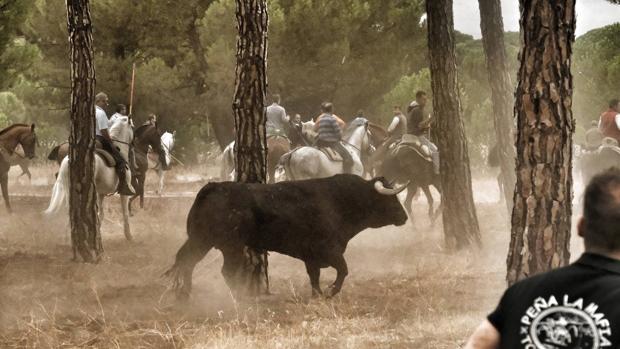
365 136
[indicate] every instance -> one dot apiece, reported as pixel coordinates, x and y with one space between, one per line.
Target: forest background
365 55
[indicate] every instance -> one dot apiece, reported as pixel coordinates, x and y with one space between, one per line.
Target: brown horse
10 137
59 152
145 136
276 147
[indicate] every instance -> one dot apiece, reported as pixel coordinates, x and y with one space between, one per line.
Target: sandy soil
403 290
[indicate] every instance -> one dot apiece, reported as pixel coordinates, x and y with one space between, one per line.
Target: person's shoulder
546 278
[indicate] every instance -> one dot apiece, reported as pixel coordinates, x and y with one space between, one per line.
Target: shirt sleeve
284 116
618 121
497 317
393 125
102 120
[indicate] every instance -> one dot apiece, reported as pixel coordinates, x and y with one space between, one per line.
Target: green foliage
16 55
596 71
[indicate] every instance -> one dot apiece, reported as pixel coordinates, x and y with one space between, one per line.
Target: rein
119 141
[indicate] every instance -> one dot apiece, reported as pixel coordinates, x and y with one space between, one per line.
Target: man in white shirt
103 136
121 110
277 120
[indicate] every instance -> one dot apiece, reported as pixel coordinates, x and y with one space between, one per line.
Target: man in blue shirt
329 127
577 306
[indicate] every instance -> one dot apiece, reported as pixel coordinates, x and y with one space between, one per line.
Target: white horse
167 144
106 179
309 162
227 169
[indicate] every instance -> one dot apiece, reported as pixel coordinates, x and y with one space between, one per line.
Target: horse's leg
100 198
161 174
4 182
412 189
437 186
429 199
125 208
142 179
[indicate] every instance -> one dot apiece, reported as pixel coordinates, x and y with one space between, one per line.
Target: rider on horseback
418 125
276 118
395 131
329 128
609 123
102 135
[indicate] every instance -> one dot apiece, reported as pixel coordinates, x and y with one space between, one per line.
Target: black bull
312 220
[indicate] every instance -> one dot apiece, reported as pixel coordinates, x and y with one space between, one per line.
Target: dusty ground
403 290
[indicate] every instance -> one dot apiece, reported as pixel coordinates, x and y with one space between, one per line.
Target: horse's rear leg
412 189
192 251
429 199
4 182
125 209
160 189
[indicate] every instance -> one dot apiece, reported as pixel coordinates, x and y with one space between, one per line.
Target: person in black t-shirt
577 306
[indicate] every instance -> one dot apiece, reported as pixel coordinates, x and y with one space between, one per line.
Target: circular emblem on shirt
564 323
564 327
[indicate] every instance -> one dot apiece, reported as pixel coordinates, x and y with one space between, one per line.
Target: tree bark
85 236
459 213
502 91
541 218
250 118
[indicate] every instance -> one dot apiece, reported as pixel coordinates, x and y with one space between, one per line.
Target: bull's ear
32 127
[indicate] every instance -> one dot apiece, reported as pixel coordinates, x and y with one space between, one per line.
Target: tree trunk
250 118
541 218
85 236
459 213
492 27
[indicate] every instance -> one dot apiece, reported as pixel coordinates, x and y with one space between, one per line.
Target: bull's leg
4 182
233 263
337 262
314 272
192 251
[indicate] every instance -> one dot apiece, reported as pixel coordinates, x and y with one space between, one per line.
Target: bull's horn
381 189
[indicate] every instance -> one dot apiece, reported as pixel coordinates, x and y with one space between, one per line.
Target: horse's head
121 129
358 134
167 144
28 141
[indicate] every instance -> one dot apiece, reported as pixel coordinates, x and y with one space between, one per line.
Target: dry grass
403 289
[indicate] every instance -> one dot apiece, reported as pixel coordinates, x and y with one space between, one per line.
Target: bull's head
387 209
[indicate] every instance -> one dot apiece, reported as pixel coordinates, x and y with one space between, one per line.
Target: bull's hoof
317 293
331 292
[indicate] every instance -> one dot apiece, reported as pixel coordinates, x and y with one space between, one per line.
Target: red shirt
608 126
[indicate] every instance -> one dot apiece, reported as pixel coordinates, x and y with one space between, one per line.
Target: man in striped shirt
329 127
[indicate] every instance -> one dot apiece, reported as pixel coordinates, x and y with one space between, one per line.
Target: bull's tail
180 274
60 191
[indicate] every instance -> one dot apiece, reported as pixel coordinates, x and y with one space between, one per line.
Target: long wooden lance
133 81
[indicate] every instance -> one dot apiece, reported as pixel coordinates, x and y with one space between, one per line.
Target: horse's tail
53 155
60 190
283 169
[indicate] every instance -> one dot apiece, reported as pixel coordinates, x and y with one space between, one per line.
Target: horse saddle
331 154
411 142
107 158
272 133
